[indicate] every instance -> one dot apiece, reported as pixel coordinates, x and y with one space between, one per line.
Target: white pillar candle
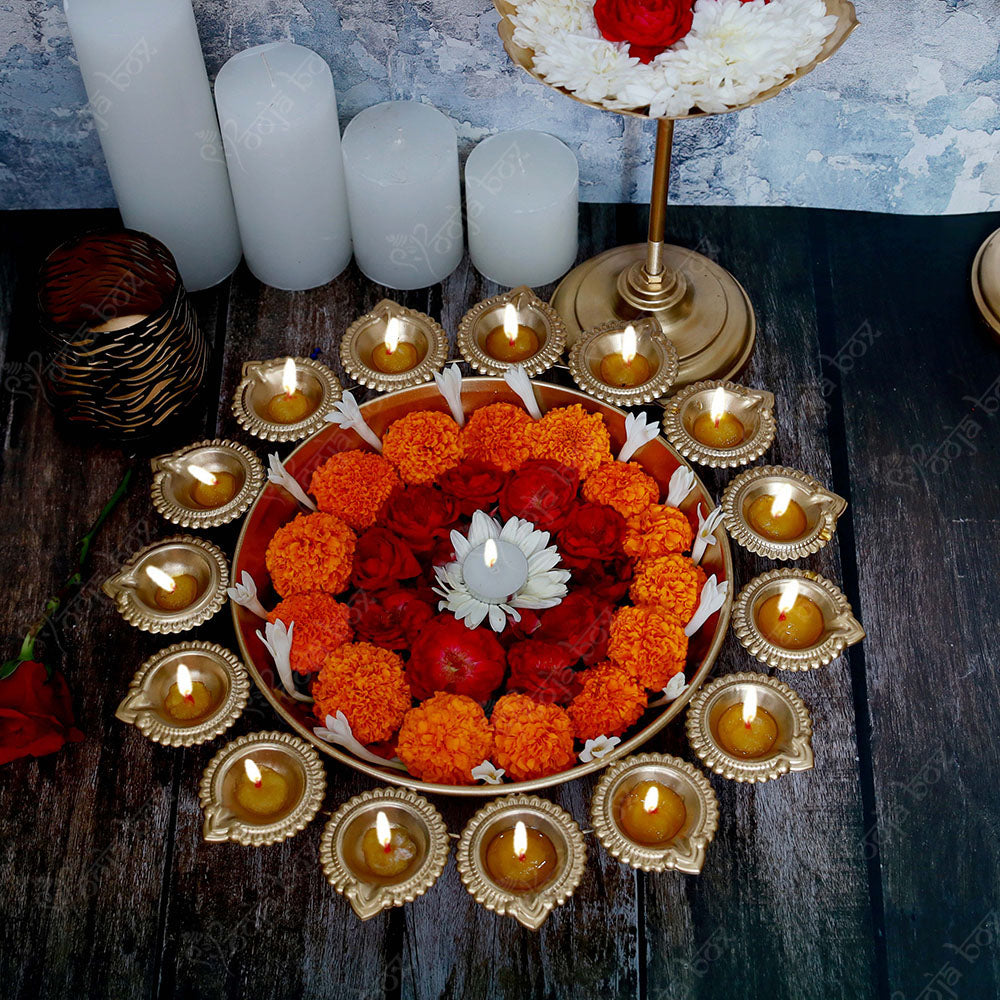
494 570
402 189
521 189
278 112
145 77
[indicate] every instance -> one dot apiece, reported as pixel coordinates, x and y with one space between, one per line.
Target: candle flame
789 595
162 580
718 410
520 840
628 344
510 323
382 830
253 771
184 686
203 475
391 340
750 707
782 498
289 380
652 800
490 553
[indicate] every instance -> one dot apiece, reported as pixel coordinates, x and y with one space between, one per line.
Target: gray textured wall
903 119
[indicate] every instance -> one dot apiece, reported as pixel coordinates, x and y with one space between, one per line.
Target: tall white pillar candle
145 76
401 160
521 189
278 113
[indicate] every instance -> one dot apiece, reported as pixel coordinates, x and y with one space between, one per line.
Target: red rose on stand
542 670
420 515
580 625
448 656
36 715
541 492
393 620
592 531
381 560
476 485
649 26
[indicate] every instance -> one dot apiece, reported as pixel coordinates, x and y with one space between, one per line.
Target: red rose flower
542 669
448 656
649 26
36 715
392 620
606 579
541 492
524 628
442 553
592 531
381 560
579 623
420 515
476 485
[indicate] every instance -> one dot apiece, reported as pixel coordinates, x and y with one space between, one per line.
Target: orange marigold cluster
495 434
622 485
649 643
422 445
671 582
570 435
657 531
321 625
612 699
354 485
312 552
368 685
444 738
531 740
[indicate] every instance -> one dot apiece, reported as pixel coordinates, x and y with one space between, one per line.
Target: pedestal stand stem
658 196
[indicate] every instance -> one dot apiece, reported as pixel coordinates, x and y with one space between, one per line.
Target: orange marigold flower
657 531
321 625
531 740
444 738
422 445
612 699
368 685
571 435
648 642
671 582
495 434
312 552
622 485
354 485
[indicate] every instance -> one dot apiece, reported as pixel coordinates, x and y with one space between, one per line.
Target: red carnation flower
420 515
448 656
541 492
649 26
579 623
542 670
592 531
476 485
392 620
381 560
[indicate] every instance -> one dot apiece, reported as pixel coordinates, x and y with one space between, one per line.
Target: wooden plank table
875 875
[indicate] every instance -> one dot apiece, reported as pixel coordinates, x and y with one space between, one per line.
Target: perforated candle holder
485 317
753 408
529 908
262 382
608 340
227 817
134 591
176 487
792 749
840 628
221 672
685 851
343 860
416 330
822 510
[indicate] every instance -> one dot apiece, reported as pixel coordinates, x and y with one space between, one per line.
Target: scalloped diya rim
274 507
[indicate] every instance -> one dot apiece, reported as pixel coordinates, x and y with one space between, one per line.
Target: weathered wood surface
846 881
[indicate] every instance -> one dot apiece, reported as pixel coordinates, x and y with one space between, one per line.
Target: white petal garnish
517 378
713 596
449 383
338 730
280 476
245 595
681 484
488 773
705 534
347 414
278 640
637 433
599 748
676 686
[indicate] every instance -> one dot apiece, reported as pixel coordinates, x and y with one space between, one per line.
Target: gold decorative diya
840 628
685 851
174 484
754 408
343 862
792 750
485 317
365 334
216 667
133 590
532 907
822 509
586 355
986 282
295 761
262 382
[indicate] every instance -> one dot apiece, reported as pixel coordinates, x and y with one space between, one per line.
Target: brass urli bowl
274 508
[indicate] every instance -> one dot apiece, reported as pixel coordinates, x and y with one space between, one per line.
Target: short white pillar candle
494 571
522 191
278 112
401 160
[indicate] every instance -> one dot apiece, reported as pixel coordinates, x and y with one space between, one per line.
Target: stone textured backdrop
903 119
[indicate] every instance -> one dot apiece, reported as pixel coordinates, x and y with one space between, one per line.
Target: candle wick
718 420
189 697
388 848
521 857
782 616
259 783
748 726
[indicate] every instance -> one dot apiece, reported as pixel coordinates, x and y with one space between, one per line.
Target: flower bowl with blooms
461 596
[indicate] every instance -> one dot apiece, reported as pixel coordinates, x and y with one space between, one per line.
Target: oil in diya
521 859
261 790
511 342
187 699
777 517
745 730
627 369
388 850
790 620
717 428
291 405
651 813
394 355
211 489
173 593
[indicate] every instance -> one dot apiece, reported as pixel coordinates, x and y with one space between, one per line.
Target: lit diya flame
652 800
628 344
289 379
786 601
750 707
490 553
782 498
520 841
391 339
203 475
510 324
382 831
253 772
185 688
162 580
718 409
